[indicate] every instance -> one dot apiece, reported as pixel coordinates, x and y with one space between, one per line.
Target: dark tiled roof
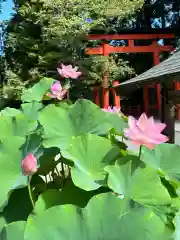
169 67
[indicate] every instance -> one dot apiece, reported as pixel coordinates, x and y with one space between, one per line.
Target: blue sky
6 10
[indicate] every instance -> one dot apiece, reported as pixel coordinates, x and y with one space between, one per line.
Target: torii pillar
106 49
156 60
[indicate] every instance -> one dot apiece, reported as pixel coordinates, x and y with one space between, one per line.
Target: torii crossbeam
107 49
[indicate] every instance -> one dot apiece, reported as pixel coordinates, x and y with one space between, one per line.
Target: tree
42 34
157 14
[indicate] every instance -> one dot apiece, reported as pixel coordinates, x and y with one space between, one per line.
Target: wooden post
105 77
105 83
105 94
146 99
116 97
156 60
131 43
154 48
96 96
163 103
168 110
177 87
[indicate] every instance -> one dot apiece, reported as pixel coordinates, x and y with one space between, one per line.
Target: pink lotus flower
69 72
112 110
29 165
145 131
57 91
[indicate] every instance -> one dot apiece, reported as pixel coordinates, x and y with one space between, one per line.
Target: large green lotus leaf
2 223
69 195
60 125
19 206
10 112
117 122
19 125
105 217
90 154
10 166
147 188
176 234
13 231
165 158
22 125
119 178
37 92
176 203
63 104
31 109
143 185
11 144
85 180
6 126
88 117
32 145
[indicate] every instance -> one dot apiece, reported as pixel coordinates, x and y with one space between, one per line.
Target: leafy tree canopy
43 34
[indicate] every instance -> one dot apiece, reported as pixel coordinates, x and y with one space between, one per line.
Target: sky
6 10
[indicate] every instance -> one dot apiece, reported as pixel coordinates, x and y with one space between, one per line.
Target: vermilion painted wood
106 49
116 97
105 94
156 60
177 87
129 49
131 43
96 96
130 36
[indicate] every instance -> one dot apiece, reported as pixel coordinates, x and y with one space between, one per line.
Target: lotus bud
29 165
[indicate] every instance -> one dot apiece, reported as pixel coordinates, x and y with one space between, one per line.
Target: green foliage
11 173
87 185
138 185
37 92
159 159
43 34
81 118
85 176
14 86
14 230
118 69
97 220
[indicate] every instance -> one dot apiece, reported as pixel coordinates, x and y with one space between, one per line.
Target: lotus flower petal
51 95
61 95
69 72
56 87
57 91
29 165
145 131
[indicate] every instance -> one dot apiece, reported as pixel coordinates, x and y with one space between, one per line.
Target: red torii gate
106 50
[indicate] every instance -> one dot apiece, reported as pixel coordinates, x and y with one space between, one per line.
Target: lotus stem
57 171
30 192
62 170
140 150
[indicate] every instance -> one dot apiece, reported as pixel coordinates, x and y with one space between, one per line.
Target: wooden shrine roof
169 68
